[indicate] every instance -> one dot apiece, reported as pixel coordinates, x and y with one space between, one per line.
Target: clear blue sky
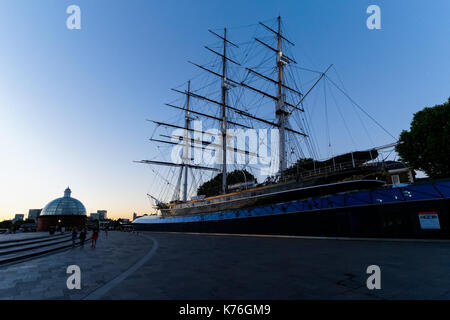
73 104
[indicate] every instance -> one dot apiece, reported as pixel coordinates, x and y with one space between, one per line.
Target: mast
283 109
224 113
186 147
223 102
281 105
280 110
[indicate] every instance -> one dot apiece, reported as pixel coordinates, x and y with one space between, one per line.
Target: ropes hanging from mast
249 85
360 108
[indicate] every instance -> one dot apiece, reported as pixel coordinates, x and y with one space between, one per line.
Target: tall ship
246 128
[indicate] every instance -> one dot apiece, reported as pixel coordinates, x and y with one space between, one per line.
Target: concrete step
37 240
31 246
16 256
31 238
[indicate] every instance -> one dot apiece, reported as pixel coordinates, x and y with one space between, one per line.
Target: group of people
83 235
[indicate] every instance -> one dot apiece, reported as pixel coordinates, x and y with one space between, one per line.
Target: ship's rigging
239 93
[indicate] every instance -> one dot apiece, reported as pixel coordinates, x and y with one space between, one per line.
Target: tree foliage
214 186
5 224
298 166
426 146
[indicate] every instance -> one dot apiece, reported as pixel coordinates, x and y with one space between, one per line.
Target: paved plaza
45 277
192 266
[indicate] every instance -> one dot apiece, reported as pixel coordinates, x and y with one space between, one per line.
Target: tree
426 146
214 186
116 224
5 224
18 223
299 166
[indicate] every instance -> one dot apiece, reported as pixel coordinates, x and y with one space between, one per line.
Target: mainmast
224 113
186 153
224 105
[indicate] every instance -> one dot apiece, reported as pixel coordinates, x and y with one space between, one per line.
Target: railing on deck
332 169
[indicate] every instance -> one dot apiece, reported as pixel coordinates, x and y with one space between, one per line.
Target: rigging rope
360 108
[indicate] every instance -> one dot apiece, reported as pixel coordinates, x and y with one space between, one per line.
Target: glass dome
64 206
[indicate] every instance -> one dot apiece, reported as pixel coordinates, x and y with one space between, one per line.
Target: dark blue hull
395 212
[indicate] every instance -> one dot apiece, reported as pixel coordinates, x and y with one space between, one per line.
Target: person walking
83 234
74 236
94 238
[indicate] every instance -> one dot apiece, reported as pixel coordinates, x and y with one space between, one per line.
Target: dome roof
64 206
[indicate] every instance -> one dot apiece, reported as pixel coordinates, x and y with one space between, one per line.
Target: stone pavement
232 267
192 266
45 277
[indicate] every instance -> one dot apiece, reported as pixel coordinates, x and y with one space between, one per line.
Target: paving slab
193 266
152 265
45 277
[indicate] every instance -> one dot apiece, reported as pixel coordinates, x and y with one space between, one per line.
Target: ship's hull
269 195
414 211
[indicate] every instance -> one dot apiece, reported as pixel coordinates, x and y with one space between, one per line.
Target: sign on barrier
429 220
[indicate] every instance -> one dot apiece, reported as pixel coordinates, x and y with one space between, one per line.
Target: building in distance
99 215
99 220
18 217
94 216
33 214
102 214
